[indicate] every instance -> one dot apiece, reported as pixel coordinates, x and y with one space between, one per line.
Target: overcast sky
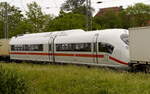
53 6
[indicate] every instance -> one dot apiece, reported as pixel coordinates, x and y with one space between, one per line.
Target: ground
68 79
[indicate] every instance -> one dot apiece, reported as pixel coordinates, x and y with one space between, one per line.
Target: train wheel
147 68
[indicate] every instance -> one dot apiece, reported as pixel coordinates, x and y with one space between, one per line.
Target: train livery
101 47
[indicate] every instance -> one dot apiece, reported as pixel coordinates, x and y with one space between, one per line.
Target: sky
53 6
48 6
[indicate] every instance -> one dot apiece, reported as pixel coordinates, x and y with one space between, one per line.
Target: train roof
43 37
104 35
64 36
47 34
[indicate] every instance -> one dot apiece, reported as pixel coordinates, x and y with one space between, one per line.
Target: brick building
104 10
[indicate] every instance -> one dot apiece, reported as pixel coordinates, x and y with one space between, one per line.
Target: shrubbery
11 82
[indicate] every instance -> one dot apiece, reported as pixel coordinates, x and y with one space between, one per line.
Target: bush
11 82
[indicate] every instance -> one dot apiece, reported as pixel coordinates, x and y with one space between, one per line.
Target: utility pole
5 21
88 15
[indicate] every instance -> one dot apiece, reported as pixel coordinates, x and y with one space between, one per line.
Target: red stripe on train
58 54
21 53
77 55
118 61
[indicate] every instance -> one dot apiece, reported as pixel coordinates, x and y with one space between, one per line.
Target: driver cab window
105 47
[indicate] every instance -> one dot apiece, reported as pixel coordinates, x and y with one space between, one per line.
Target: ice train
101 47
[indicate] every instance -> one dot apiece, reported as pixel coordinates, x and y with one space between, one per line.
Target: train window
105 47
125 39
34 47
26 47
63 47
37 47
12 47
16 47
81 47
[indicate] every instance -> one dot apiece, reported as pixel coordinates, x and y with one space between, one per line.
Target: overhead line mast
5 30
88 15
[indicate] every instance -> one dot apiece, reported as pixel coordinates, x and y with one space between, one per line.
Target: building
105 10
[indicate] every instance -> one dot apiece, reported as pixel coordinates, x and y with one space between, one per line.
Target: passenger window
12 47
33 47
38 47
81 47
105 47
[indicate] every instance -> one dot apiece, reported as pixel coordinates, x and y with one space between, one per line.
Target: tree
138 15
1 29
134 16
109 20
138 8
14 18
70 5
67 21
77 6
36 17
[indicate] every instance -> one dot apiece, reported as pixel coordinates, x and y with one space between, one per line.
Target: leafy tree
138 15
67 21
133 16
22 28
36 18
1 29
109 20
70 5
14 18
80 10
77 6
138 8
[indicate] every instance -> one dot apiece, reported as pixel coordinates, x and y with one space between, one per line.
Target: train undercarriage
140 67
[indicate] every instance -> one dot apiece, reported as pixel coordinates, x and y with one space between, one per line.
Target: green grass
57 79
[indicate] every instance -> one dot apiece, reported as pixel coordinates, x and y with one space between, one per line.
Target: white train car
36 46
102 47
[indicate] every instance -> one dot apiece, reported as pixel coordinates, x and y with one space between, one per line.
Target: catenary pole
6 21
88 15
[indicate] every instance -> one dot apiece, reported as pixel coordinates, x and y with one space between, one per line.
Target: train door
95 48
51 48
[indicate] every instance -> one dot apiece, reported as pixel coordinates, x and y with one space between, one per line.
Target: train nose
126 55
123 54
